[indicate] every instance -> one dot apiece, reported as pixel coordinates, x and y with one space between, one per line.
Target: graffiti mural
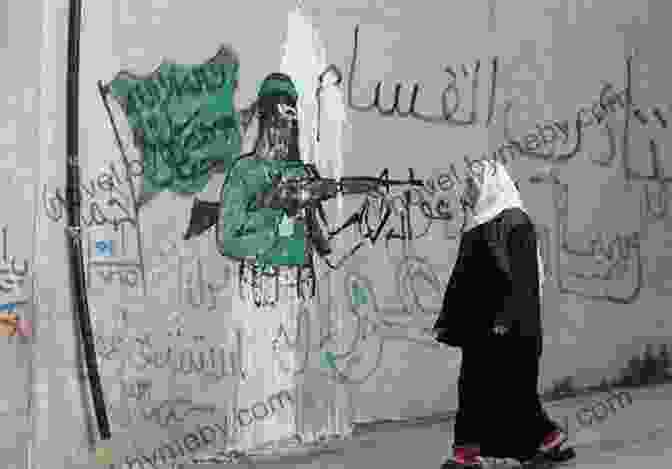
296 285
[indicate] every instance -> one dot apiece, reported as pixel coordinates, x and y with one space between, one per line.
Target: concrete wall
553 60
20 46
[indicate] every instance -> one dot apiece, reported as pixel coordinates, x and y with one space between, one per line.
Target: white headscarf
497 193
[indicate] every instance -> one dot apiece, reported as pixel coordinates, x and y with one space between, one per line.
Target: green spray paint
328 360
359 295
247 230
182 118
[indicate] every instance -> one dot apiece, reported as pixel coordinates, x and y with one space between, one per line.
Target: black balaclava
278 136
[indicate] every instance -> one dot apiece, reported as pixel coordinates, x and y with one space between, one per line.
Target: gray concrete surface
627 437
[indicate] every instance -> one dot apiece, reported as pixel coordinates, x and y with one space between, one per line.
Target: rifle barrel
375 180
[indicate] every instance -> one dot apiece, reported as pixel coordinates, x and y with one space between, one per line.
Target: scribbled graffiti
196 289
212 362
111 260
208 362
387 216
12 276
617 257
614 258
140 389
173 411
547 136
655 187
411 272
191 279
125 276
192 440
357 348
108 204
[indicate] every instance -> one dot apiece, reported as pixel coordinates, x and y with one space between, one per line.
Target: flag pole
80 300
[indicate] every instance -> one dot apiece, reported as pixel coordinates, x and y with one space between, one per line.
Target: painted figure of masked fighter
271 235
492 311
249 228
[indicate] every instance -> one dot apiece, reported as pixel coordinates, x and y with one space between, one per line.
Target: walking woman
492 311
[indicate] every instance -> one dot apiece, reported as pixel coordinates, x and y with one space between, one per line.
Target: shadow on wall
648 370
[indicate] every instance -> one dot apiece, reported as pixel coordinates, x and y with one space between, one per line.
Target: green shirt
244 230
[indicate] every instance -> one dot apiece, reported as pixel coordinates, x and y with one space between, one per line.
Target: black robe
496 280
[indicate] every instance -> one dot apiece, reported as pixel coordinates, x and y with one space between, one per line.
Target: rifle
293 194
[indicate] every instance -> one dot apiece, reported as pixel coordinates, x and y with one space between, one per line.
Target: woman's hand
500 328
438 333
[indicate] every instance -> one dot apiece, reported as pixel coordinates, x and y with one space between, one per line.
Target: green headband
275 87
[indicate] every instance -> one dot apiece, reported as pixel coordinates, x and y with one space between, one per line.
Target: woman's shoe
553 441
464 458
474 463
549 459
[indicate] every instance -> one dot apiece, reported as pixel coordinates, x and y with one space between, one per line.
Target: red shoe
464 458
553 441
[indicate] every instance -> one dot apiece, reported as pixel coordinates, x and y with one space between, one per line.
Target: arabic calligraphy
660 194
106 347
360 344
609 102
165 85
127 277
139 390
189 358
434 200
168 413
655 191
12 277
548 135
450 99
659 209
193 285
197 290
215 362
615 256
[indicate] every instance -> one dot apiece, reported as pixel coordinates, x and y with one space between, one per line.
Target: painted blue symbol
104 248
10 307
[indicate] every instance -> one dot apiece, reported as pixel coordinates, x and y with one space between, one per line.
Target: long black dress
496 278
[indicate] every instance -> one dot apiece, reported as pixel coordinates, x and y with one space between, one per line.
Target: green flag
182 118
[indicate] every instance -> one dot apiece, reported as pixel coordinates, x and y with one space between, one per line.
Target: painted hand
282 196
